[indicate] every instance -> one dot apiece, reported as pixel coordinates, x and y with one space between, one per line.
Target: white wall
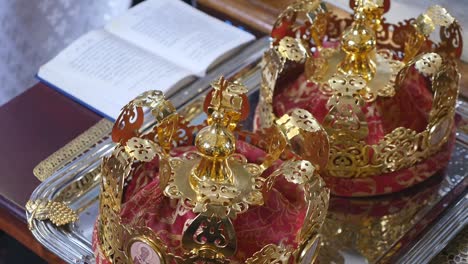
33 31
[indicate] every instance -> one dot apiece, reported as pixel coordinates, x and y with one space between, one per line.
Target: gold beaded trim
73 150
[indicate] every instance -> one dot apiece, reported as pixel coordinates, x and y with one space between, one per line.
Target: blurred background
32 32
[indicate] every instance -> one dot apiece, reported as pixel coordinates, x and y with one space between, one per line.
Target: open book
158 44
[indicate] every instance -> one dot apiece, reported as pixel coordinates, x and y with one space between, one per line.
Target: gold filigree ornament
57 212
73 150
359 61
211 180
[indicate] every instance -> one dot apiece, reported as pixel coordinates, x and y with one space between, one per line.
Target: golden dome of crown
210 193
385 93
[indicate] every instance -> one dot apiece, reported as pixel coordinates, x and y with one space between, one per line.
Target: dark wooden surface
33 125
257 16
19 230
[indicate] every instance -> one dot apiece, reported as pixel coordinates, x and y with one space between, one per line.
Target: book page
105 72
179 32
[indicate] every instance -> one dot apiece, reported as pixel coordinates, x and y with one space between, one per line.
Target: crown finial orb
215 143
358 42
199 193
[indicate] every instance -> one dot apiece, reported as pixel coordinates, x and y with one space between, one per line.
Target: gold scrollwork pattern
211 180
271 254
306 137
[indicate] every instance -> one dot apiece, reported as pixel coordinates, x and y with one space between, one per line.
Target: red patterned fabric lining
408 108
278 221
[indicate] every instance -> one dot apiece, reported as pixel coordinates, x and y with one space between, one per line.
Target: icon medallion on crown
213 192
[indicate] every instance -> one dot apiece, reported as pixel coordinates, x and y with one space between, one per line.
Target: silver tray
433 211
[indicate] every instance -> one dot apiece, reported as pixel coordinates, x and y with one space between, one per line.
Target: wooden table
257 16
34 125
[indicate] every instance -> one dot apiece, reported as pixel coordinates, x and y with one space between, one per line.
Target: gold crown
360 61
210 181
